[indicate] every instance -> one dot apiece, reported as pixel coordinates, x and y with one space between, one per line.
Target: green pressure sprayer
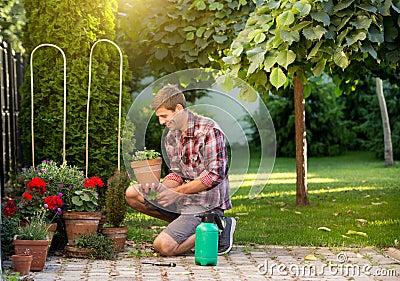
206 245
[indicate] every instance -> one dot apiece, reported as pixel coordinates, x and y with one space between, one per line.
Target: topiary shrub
115 198
74 27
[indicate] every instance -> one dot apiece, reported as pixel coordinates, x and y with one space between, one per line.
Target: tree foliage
316 36
365 121
328 130
180 34
74 27
12 19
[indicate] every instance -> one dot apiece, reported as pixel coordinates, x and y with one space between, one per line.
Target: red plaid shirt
200 153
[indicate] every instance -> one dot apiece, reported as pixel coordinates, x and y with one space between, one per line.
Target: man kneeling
197 181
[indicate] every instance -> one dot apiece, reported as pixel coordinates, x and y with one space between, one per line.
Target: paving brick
240 264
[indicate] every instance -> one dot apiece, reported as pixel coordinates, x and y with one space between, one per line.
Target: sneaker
225 241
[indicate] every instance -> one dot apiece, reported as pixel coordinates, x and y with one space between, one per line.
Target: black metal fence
11 77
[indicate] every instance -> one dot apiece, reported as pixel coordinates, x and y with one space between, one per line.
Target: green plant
48 83
48 170
145 154
34 199
35 230
8 229
115 198
9 276
77 192
100 246
84 200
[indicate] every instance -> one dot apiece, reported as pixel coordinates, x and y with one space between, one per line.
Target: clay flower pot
80 223
74 252
116 234
22 263
37 248
147 171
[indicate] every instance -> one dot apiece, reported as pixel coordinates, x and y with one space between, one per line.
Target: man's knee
132 196
165 245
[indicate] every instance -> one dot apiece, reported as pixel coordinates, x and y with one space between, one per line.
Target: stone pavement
243 263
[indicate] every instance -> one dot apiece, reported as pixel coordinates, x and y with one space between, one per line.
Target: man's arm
170 195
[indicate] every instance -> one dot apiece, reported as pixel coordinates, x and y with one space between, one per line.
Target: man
198 178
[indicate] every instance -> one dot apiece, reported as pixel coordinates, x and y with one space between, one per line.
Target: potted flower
34 238
82 215
146 166
80 211
116 209
34 200
9 225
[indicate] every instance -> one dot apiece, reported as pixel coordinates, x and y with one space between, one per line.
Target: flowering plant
34 199
9 209
66 183
85 198
9 225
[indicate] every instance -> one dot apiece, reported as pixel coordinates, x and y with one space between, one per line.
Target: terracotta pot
22 263
116 234
74 252
80 223
101 223
37 248
147 171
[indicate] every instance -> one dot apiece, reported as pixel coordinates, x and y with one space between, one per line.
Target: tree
12 19
281 44
385 123
167 36
299 39
74 26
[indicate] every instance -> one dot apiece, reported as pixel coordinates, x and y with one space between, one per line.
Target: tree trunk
385 123
301 143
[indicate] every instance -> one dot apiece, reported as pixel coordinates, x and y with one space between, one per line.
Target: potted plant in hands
116 209
34 238
146 166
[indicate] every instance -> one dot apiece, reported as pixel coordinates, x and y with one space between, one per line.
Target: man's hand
167 196
149 191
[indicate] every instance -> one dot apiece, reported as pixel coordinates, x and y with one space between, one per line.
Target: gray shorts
184 226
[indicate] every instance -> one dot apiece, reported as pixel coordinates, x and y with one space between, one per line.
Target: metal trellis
65 99
119 106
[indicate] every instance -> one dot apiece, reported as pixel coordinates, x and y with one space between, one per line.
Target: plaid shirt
200 153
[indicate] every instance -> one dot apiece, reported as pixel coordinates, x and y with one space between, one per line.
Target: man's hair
168 96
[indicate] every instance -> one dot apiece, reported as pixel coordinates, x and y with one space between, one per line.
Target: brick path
243 263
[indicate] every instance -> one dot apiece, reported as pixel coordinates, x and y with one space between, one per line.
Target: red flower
9 209
37 184
27 196
53 202
93 182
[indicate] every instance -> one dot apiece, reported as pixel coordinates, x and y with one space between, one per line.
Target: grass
354 196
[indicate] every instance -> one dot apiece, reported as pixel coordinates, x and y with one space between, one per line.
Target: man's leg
225 239
167 246
137 202
178 237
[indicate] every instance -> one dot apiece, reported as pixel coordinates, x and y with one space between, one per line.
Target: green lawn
354 196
